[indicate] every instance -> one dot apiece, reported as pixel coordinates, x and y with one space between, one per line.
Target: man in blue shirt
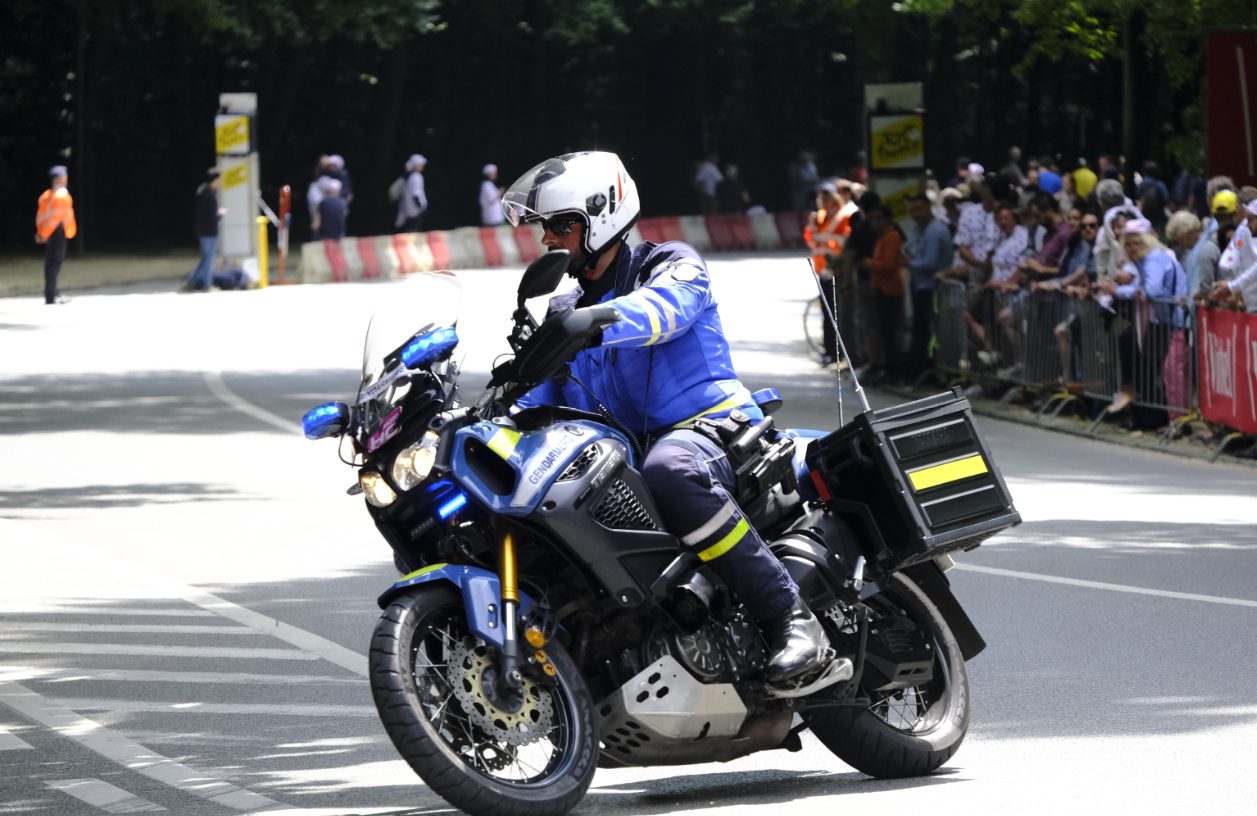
927 252
656 372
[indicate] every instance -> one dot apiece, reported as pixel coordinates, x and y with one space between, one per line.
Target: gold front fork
510 682
506 569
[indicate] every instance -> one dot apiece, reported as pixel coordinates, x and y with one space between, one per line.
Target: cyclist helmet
591 187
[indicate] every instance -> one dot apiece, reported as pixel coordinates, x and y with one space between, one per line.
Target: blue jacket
666 361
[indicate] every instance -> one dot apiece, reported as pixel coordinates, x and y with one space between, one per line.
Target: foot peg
838 671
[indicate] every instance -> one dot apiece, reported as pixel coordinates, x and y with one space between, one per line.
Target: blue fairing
536 458
481 591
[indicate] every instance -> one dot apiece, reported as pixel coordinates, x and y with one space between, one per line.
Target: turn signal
534 637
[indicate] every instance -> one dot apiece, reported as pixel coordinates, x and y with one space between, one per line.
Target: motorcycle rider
661 367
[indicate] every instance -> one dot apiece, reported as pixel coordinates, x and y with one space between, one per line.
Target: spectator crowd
1141 250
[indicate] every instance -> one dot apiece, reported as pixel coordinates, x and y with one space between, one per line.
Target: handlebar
554 343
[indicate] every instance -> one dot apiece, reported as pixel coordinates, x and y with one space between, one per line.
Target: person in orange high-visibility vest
826 234
54 226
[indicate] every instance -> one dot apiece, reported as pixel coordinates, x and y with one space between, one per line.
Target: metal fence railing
1129 352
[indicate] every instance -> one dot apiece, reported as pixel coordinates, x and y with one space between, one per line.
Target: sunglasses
560 224
1090 224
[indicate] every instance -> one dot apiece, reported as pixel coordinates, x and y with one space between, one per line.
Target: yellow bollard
263 261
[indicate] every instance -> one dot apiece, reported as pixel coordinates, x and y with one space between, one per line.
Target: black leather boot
797 641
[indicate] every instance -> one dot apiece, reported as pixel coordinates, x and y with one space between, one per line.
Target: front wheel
911 731
427 676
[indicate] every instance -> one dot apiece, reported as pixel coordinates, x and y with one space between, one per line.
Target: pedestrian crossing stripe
101 794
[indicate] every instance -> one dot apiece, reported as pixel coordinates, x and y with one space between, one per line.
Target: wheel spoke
443 659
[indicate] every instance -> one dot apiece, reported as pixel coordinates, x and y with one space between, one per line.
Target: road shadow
167 402
668 794
99 497
1053 669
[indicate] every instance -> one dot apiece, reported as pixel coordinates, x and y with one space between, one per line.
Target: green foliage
509 81
586 24
384 23
1091 30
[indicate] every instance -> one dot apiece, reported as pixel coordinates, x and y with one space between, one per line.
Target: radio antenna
842 347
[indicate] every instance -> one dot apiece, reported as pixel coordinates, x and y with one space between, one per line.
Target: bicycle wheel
814 325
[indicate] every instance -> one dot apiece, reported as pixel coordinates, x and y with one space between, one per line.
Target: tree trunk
383 166
1128 92
275 126
96 27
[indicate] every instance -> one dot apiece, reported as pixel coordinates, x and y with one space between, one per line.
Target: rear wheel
428 676
911 731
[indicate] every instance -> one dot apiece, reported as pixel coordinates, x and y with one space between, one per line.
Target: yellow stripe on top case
936 475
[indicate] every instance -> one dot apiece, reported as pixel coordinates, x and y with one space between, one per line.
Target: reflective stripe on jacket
666 362
828 238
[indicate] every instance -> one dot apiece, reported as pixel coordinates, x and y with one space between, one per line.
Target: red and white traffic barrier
388 257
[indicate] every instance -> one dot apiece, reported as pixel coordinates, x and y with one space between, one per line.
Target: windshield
427 300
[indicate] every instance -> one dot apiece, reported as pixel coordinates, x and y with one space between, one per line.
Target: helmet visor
520 204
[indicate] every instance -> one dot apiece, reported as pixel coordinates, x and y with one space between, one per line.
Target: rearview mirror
543 275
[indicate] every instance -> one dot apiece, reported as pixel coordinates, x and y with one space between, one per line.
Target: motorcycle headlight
376 489
414 463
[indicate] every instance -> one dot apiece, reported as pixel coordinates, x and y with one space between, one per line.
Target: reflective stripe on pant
690 479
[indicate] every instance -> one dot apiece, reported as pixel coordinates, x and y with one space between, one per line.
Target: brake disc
530 723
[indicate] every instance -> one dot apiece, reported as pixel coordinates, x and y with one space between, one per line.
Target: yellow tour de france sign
231 134
234 176
897 141
897 201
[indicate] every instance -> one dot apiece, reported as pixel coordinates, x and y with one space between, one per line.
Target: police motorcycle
547 624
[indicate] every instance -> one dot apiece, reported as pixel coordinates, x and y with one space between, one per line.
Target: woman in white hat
413 205
490 197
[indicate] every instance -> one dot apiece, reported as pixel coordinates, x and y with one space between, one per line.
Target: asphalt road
186 594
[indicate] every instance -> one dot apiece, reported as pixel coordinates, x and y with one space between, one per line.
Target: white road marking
308 641
168 590
192 707
92 608
214 379
127 753
101 794
8 742
70 675
131 628
1131 590
214 652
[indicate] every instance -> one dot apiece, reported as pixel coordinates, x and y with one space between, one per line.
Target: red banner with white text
1228 368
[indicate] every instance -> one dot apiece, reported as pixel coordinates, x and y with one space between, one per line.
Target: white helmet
592 187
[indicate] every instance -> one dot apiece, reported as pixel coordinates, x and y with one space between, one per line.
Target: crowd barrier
1174 364
395 256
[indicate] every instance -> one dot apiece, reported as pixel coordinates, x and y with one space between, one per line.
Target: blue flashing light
325 420
452 506
428 347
